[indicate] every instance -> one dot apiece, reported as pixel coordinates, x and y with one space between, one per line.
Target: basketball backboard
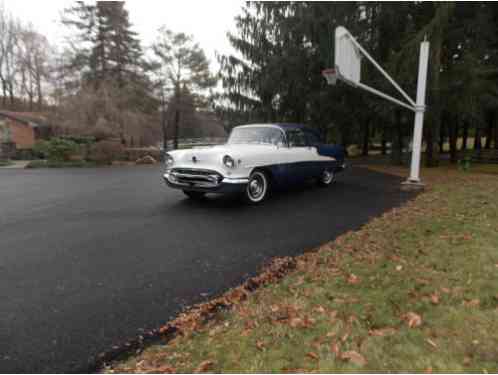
347 56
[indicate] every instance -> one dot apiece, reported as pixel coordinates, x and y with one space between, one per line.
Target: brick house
21 130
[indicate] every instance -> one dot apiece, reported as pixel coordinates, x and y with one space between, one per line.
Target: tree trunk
477 139
442 136
397 141
164 126
465 135
366 137
383 142
496 130
489 131
453 135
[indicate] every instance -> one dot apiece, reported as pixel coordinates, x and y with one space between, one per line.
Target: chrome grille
196 177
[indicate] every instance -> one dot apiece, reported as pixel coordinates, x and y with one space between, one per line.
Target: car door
300 156
316 165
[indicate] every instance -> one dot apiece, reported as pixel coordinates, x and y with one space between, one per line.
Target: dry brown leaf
382 332
319 309
445 290
312 355
331 334
399 267
412 319
335 348
353 279
296 322
435 298
165 370
472 303
204 366
431 343
260 345
354 357
345 337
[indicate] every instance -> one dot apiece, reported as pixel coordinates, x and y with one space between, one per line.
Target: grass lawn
415 290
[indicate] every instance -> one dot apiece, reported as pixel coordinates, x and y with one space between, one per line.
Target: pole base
411 185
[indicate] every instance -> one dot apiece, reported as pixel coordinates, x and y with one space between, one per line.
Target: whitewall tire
327 178
257 188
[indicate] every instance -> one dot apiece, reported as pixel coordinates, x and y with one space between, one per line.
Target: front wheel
257 187
327 178
197 195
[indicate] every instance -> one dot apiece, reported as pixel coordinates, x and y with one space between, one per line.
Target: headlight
168 160
228 161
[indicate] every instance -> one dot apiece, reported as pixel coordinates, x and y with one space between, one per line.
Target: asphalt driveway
90 257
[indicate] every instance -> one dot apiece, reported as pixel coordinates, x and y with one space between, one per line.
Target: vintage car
255 158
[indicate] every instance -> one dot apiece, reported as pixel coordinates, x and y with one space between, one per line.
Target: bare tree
183 67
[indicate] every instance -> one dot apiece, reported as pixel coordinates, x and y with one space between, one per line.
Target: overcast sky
207 21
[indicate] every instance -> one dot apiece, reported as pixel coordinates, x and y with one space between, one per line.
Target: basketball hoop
330 75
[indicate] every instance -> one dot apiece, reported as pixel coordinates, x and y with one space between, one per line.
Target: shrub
104 152
56 149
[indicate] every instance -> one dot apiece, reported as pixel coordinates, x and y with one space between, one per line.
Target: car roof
285 126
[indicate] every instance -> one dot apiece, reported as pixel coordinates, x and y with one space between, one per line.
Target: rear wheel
327 178
197 195
257 187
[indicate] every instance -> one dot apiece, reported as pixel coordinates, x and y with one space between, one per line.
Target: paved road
89 257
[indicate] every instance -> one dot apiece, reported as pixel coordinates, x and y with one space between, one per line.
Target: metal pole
381 94
384 73
419 113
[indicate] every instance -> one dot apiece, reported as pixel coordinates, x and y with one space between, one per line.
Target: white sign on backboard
347 56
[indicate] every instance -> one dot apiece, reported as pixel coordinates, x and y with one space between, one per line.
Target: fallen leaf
399 267
382 332
319 309
353 279
354 357
165 370
345 337
296 322
274 308
445 290
335 348
412 319
431 343
204 366
472 303
435 298
260 345
312 355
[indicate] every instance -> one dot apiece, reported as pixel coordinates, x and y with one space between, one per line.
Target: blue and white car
255 158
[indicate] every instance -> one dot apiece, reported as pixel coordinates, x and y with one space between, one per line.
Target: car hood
214 154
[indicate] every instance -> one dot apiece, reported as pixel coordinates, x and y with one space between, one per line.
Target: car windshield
256 134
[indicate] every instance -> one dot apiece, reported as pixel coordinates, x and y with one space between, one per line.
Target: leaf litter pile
414 290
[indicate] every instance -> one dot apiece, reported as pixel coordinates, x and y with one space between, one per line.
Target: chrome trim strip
235 180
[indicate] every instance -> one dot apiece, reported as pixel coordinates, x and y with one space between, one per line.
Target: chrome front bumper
204 181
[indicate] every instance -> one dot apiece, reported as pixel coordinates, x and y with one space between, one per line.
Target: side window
313 139
296 138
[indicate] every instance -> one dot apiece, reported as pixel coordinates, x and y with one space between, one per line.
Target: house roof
33 119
